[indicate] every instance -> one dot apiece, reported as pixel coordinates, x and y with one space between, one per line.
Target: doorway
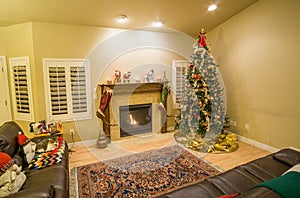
5 107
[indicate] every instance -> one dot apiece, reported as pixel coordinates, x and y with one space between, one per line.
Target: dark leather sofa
242 178
52 181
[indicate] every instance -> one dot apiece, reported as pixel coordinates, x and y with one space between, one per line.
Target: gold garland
226 142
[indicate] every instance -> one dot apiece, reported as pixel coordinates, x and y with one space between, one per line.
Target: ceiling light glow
212 7
157 24
122 18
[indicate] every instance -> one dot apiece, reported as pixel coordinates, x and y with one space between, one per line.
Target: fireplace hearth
135 119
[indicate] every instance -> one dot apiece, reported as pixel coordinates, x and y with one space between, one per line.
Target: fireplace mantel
128 88
132 94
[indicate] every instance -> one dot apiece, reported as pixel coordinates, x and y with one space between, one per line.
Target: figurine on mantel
126 77
149 76
117 76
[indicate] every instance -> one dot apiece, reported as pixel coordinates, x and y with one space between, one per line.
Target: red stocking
104 101
105 98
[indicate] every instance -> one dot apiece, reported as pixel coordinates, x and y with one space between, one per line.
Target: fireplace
130 96
135 119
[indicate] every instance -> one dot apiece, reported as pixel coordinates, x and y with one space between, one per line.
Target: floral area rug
147 174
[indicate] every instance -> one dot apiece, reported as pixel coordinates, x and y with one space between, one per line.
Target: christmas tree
203 105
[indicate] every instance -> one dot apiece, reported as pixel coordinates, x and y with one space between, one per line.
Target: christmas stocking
104 101
105 98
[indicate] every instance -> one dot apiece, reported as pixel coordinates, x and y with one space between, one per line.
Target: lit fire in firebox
132 120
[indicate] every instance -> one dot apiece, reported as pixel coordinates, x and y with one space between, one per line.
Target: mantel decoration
149 76
118 75
126 77
203 107
104 101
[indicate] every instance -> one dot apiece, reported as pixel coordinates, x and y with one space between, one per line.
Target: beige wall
16 41
258 55
2 40
140 61
47 40
63 41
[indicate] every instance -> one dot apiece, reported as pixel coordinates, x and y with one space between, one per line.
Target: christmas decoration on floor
201 121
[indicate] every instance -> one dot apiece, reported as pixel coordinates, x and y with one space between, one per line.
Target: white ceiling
187 16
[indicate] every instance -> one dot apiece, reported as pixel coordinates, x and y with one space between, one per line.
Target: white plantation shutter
58 90
21 88
79 92
67 86
179 68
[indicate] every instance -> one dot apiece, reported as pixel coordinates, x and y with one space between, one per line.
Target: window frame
67 63
15 62
181 64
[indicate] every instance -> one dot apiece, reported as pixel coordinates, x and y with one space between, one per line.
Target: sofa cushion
55 176
45 191
265 168
288 156
9 138
204 188
9 141
260 192
234 181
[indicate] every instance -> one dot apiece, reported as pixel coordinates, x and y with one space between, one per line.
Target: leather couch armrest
288 156
9 141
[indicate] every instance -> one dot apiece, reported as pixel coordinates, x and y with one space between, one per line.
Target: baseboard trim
85 142
258 144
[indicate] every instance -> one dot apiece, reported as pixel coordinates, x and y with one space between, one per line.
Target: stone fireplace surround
132 94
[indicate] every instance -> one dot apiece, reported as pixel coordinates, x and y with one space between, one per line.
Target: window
179 68
21 88
67 89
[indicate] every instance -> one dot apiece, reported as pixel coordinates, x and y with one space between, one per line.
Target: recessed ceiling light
157 23
212 7
122 18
